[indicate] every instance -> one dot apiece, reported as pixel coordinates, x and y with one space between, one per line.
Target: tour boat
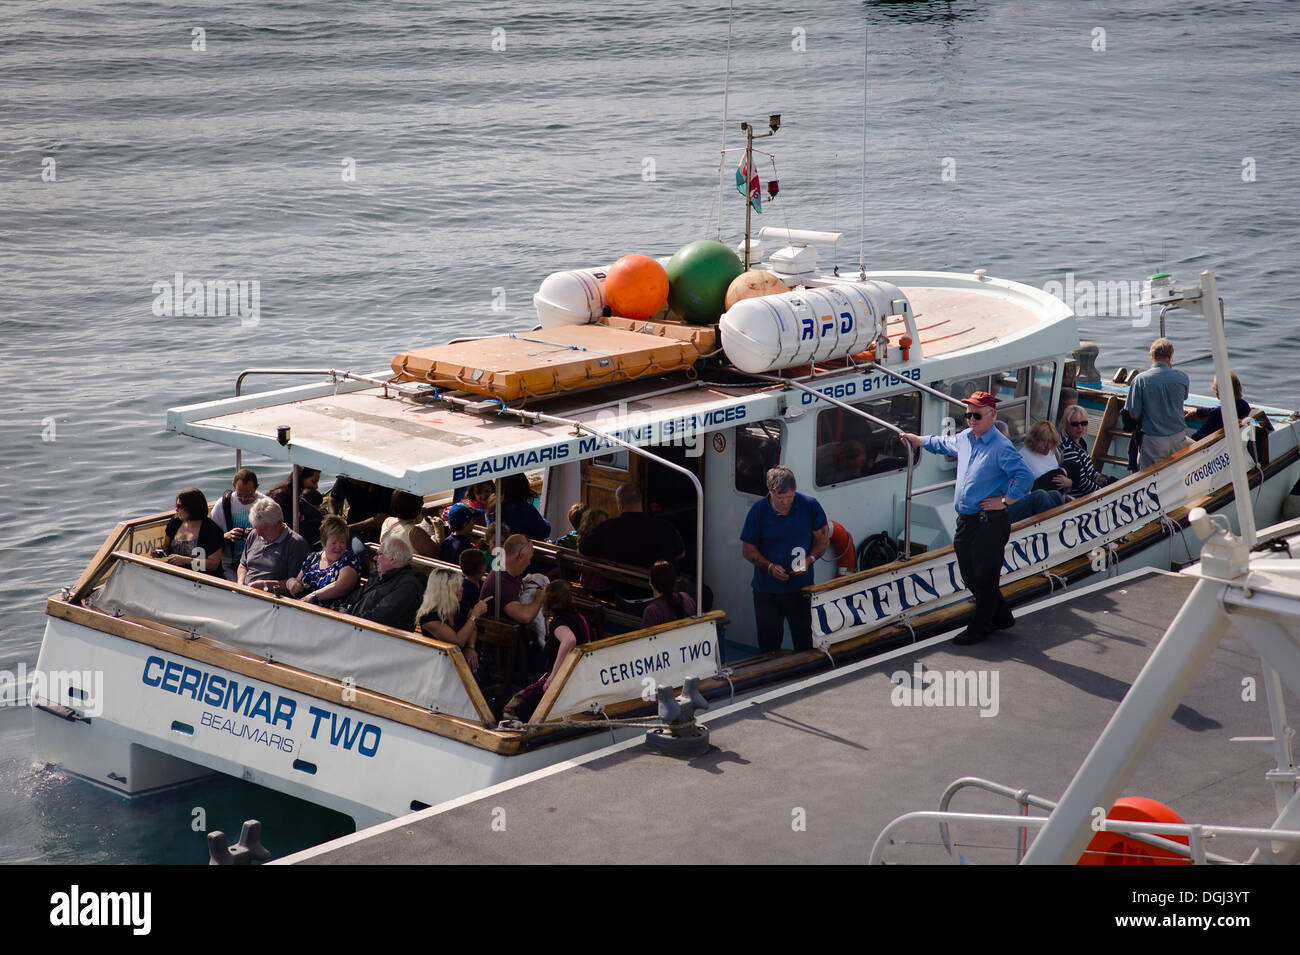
151 675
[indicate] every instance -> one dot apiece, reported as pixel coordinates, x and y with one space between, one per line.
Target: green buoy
698 277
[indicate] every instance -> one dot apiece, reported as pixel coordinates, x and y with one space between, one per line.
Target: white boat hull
146 738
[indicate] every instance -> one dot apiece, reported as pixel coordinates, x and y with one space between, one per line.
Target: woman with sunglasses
1083 476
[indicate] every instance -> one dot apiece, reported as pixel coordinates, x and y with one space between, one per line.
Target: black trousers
771 611
980 542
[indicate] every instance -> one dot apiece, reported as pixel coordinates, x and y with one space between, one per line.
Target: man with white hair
275 554
392 596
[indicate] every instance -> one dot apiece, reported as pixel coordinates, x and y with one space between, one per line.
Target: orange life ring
841 550
1113 848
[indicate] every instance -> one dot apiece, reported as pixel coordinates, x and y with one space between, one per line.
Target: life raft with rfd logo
808 325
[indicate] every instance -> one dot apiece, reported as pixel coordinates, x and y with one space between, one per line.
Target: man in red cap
990 475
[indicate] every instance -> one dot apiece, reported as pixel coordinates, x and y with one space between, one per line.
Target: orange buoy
636 287
905 343
1113 848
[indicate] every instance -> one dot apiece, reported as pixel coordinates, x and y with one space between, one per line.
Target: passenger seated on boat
1041 454
392 596
407 509
517 509
231 517
473 567
461 520
669 603
592 582
328 575
477 497
309 515
275 554
634 537
570 540
518 554
1069 398
362 504
1035 502
1214 420
448 613
191 538
1084 477
493 537
565 629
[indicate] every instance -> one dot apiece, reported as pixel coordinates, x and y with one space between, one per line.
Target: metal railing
1147 832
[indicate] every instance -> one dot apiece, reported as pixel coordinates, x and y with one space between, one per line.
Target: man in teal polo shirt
783 534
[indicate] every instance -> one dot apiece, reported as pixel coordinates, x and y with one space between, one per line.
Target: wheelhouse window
850 447
1024 394
758 448
1040 391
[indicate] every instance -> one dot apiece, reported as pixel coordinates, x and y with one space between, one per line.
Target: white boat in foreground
200 674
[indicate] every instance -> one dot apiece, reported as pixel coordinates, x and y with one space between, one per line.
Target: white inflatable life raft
809 325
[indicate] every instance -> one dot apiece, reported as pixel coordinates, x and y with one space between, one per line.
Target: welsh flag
754 193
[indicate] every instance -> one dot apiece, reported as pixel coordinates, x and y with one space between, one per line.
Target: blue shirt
781 537
1158 395
986 467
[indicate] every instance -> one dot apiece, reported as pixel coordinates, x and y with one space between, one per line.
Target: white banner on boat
633 669
1089 525
404 669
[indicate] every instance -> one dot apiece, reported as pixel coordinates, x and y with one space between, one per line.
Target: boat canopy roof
378 434
401 435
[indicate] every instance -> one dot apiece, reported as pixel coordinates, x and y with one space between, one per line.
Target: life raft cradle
558 359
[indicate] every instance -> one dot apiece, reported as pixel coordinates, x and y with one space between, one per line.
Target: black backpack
876 550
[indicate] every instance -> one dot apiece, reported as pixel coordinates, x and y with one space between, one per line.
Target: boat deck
835 752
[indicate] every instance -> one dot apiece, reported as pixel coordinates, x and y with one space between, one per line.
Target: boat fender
576 297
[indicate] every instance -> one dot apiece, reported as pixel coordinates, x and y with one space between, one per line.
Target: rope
599 710
725 673
1052 579
1172 527
905 621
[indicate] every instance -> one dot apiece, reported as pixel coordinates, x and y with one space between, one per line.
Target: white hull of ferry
152 736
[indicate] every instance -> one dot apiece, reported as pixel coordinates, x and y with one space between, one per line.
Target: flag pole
749 174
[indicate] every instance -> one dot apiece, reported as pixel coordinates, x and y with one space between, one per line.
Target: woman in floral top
331 573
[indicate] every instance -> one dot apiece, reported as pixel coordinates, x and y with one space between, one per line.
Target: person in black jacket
1214 420
392 596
